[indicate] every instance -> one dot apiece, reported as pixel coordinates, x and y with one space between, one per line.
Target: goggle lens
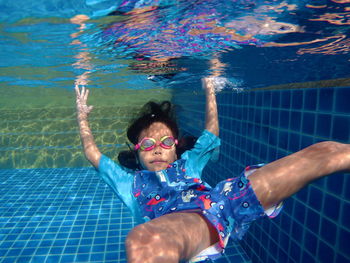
148 144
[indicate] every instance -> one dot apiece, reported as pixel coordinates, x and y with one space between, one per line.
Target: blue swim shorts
231 207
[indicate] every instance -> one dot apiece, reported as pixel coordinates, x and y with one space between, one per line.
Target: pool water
286 65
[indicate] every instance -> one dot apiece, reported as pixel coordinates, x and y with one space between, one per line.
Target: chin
159 167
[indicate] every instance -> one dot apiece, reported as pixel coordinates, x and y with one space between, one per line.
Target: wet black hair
153 112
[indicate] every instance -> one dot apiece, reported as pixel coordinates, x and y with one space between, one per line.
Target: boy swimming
183 218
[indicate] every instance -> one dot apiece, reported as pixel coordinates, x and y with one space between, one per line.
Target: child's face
158 158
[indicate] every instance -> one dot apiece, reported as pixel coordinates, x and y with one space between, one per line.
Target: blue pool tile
341 128
86 241
324 124
98 248
38 259
56 250
342 100
325 100
73 242
345 215
307 258
285 99
84 249
111 255
275 99
313 221
274 118
42 250
3 252
328 231
284 240
23 259
293 142
341 259
297 99
308 123
11 237
331 207
347 189
266 117
46 243
325 253
294 251
259 99
82 258
299 212
99 257
310 242
9 260
53 258
335 183
6 244
297 231
267 99
67 258
315 198
70 250
99 241
344 238
28 251
63 235
59 242
306 141
295 121
283 140
310 99
14 252
284 119
282 255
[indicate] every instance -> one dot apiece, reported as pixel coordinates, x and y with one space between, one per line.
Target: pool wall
259 126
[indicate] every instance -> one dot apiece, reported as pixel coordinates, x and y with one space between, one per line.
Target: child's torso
167 191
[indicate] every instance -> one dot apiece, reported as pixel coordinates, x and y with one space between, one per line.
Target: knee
136 244
330 147
138 237
147 244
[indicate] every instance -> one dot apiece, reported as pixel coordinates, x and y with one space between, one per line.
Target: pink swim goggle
147 144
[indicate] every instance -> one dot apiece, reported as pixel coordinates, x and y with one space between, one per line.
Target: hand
81 99
215 84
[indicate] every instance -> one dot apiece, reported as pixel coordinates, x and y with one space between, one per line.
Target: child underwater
182 217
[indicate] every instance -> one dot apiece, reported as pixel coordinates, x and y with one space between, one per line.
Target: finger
86 95
77 91
82 94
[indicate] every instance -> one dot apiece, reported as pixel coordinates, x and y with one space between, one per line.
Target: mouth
158 161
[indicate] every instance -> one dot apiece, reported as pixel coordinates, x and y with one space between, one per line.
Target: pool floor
66 215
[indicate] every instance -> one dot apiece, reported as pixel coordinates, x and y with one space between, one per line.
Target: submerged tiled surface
66 215
60 215
263 125
49 137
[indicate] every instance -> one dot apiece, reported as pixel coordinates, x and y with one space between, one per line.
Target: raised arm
211 114
210 85
91 151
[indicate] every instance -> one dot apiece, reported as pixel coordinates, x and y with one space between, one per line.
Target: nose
157 149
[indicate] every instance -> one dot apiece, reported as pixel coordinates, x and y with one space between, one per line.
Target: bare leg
284 177
170 238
